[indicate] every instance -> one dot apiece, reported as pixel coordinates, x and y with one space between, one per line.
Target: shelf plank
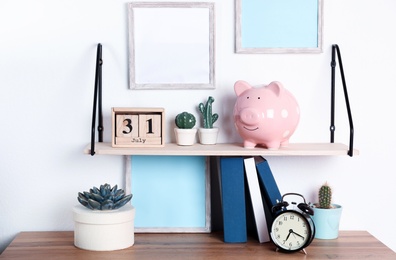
226 149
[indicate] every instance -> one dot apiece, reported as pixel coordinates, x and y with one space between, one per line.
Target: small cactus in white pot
185 131
326 214
208 134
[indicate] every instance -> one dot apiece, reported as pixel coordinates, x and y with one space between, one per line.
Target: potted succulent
208 134
326 214
105 220
184 132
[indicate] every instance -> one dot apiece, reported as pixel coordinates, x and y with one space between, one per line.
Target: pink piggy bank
265 116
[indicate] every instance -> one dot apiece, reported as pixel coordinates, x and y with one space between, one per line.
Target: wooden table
59 245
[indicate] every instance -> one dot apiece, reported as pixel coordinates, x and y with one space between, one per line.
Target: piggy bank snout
250 116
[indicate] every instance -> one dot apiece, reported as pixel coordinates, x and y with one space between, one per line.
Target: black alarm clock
292 228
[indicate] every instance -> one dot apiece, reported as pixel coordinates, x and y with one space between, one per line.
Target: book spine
233 199
267 181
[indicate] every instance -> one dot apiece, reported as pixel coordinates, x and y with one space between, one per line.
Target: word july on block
138 127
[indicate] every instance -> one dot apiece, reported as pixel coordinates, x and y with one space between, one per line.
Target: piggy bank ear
240 86
276 87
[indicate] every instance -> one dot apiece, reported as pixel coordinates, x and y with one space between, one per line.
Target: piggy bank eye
258 97
247 97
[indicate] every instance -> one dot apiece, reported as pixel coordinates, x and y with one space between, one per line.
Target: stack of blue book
232 189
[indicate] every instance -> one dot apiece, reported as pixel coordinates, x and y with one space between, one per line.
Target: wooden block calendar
138 127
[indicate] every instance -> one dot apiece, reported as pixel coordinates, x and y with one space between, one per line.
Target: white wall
47 55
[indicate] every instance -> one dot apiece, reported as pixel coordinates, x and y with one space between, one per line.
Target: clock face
291 231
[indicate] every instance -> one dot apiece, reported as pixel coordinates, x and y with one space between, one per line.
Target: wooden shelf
223 149
60 245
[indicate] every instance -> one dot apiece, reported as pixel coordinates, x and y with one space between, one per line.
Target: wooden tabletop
59 245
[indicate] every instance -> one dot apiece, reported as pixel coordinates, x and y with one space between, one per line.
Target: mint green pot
327 222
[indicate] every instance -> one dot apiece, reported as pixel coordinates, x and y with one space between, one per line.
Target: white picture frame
272 26
171 45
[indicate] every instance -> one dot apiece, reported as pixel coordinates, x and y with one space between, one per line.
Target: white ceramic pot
208 135
185 136
107 230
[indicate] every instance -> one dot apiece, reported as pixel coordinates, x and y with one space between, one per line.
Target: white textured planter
104 230
185 136
208 135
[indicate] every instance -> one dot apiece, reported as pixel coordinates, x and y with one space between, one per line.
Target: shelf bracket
336 49
97 101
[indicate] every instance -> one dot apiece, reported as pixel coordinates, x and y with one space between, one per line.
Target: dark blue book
268 184
232 180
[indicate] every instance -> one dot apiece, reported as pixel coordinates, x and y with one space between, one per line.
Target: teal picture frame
273 26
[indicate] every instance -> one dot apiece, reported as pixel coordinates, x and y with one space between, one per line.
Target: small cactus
104 198
206 111
185 120
325 196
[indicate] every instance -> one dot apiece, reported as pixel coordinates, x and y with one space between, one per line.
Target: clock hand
290 231
298 234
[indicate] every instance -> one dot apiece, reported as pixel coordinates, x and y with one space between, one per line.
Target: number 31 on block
138 127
